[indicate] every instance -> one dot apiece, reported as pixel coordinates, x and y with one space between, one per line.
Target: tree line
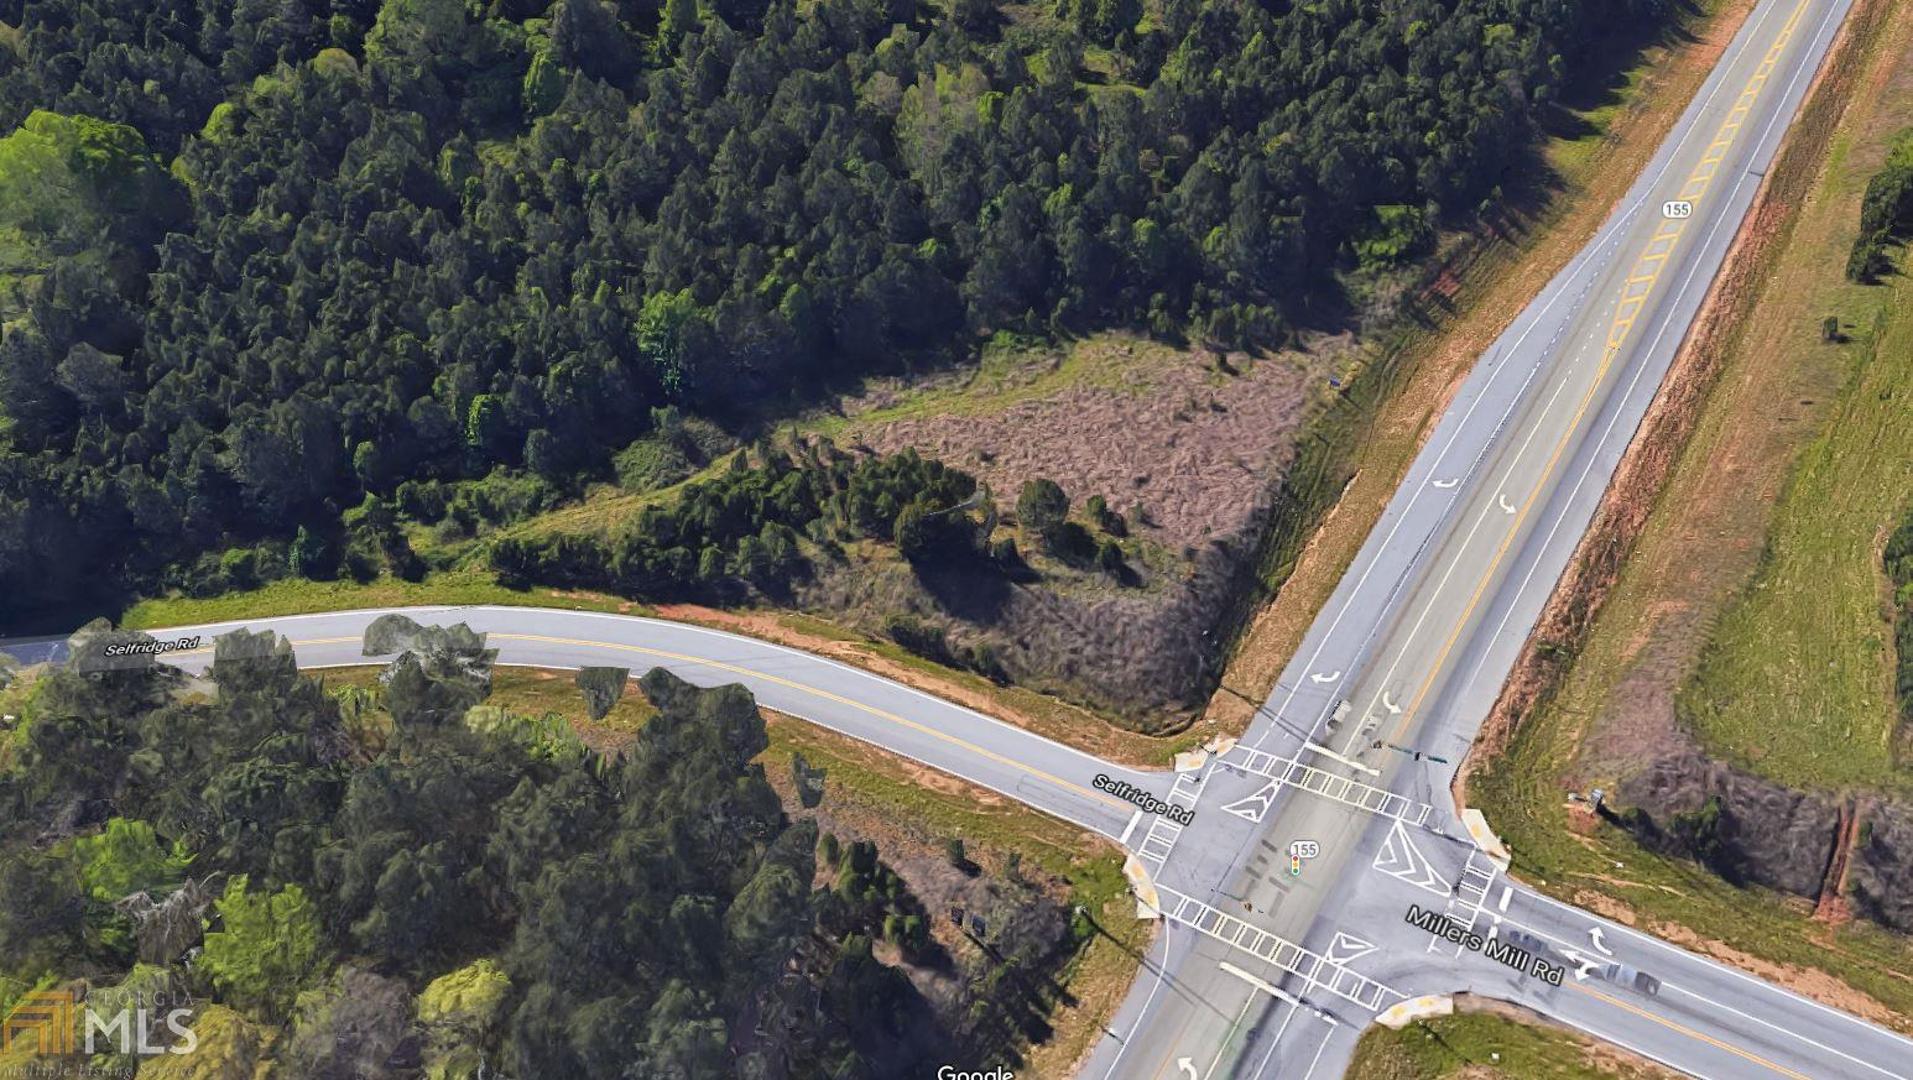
301 252
748 528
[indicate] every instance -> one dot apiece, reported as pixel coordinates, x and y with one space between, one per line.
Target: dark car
1629 978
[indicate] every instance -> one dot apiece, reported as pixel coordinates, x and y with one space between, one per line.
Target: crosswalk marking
1291 772
1314 968
1161 838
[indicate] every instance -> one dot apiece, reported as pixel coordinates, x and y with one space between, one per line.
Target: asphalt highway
1270 968
1327 878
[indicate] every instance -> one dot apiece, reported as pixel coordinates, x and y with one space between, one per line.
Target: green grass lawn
297 596
1797 682
1484 1045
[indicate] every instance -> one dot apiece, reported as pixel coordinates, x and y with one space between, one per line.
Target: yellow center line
881 714
1617 334
1691 1033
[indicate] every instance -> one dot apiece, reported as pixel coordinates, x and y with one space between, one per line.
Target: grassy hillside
1491 1045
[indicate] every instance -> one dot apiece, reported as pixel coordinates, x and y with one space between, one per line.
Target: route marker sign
1299 850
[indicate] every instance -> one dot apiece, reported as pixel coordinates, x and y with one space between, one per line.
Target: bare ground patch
1191 441
1187 445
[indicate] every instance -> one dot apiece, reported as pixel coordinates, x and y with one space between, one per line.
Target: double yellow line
1683 1029
1634 293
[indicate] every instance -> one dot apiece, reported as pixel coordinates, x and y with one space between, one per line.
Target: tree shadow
972 589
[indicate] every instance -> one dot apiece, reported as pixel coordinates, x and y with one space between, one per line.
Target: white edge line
1317 1059
1636 935
742 639
1142 1014
1609 234
1571 947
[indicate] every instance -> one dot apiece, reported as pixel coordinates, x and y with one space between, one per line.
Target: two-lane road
1002 757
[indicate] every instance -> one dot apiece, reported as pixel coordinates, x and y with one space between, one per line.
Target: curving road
1269 968
1007 759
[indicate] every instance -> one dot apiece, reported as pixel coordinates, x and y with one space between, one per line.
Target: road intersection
1352 755
1316 873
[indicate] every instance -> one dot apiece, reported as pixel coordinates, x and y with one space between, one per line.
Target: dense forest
406 881
264 259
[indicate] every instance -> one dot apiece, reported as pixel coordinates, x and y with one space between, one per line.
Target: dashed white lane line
1274 1043
1228 1038
1615 233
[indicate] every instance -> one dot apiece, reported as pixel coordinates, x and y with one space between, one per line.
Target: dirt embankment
1773 835
1185 445
1880 863
1781 838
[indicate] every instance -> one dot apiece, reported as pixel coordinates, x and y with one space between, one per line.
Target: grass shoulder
1483 1041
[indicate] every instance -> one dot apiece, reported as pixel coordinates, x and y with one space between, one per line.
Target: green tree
126 858
267 946
310 556
914 534
1042 508
40 912
485 423
668 330
602 687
